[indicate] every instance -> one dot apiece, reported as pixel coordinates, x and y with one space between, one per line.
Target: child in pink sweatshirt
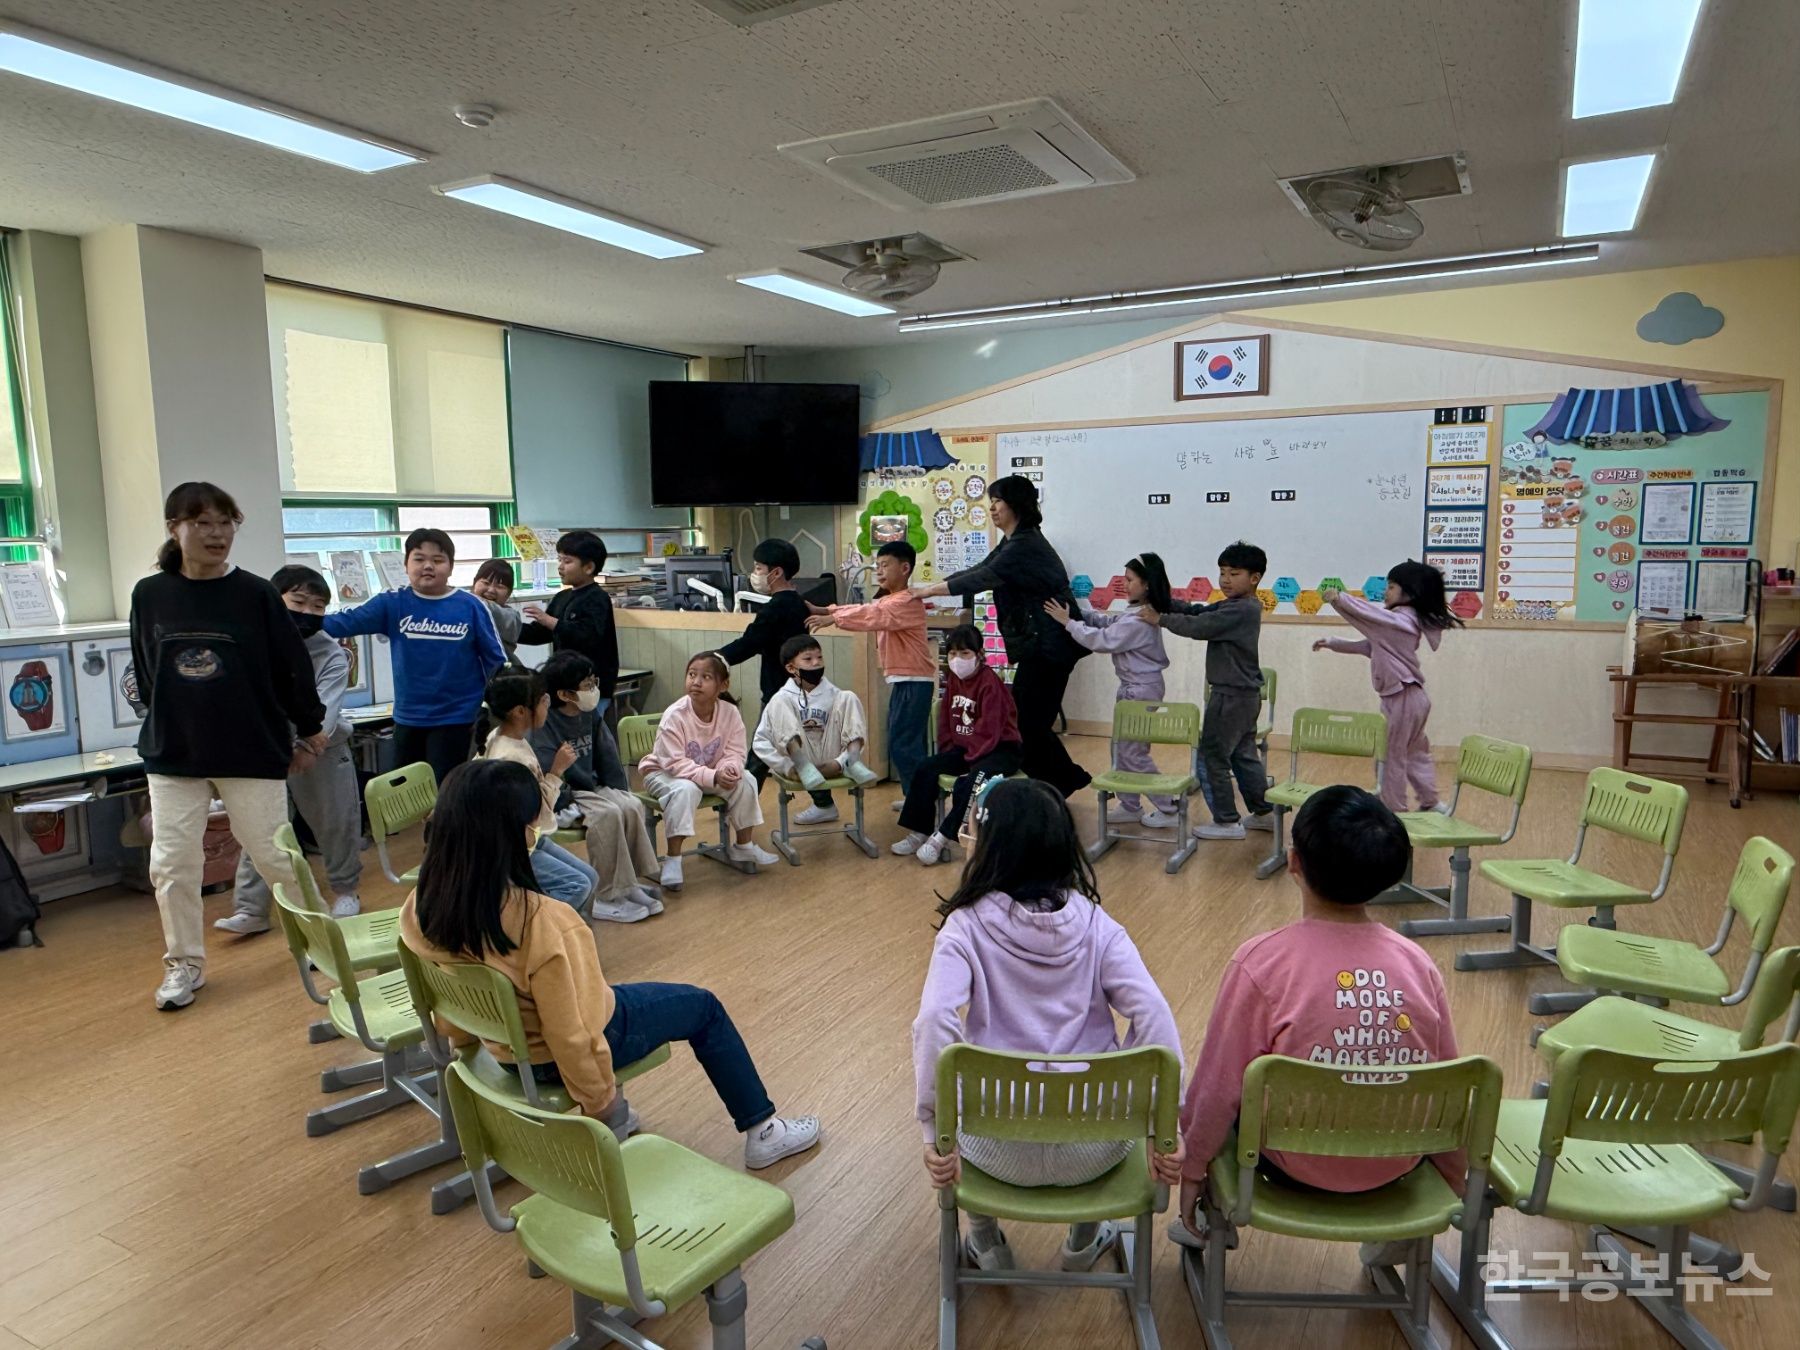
700 745
1027 950
1340 987
1413 607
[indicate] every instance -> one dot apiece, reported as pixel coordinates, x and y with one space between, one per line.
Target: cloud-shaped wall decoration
1679 317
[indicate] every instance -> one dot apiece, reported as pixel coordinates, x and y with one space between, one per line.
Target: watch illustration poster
34 705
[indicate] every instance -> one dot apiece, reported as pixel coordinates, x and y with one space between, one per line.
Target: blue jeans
648 1015
909 714
561 875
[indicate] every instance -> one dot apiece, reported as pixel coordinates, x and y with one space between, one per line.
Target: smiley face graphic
1346 980
1403 1022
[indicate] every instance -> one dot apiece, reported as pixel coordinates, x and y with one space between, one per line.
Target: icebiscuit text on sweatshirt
445 649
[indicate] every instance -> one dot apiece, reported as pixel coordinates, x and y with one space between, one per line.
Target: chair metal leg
1668 1300
860 834
1458 921
350 1075
721 851
1703 1253
949 1250
452 1193
1520 952
1135 1258
725 1303
783 836
1462 1286
317 1033
325 1119
1104 842
1781 1194
1403 892
379 1176
1189 844
1277 858
1561 1001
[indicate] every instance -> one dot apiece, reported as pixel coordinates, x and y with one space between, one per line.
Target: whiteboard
1340 495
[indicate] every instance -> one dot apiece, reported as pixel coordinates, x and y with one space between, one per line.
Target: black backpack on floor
19 910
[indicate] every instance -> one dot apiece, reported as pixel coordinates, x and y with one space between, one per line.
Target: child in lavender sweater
1026 949
1138 659
1413 608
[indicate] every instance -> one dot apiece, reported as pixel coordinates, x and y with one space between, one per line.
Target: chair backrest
1646 809
1157 723
1268 690
1775 995
571 1159
399 800
1492 765
289 843
318 938
475 999
1759 888
1058 1099
1611 1097
637 737
1320 731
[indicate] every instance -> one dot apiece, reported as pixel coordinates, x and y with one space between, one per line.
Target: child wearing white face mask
812 730
977 739
594 795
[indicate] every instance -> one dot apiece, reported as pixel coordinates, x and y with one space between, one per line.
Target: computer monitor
711 568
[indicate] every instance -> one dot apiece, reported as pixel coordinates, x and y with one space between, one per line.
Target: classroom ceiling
662 111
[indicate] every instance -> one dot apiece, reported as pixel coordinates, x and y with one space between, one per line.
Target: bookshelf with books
1771 705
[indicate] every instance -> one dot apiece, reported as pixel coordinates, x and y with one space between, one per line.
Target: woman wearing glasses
231 706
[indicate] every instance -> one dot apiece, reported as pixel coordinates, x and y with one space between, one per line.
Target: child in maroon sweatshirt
977 739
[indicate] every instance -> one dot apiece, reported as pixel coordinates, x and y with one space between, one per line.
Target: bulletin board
947 508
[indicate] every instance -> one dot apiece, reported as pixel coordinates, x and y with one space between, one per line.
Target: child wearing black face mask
324 790
810 729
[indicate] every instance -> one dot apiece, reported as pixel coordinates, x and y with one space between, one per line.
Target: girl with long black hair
477 900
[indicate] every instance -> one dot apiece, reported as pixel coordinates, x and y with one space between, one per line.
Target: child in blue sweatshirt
445 649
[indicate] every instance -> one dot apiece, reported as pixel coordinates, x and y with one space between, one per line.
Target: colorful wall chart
1591 533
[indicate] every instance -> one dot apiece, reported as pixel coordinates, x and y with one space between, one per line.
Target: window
315 530
18 514
378 400
468 527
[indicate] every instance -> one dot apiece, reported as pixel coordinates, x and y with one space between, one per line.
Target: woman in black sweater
1023 572
231 705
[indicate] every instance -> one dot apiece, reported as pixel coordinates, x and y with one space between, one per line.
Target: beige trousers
680 799
178 811
619 847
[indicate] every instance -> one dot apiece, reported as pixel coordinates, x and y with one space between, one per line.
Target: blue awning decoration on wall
904 450
1670 409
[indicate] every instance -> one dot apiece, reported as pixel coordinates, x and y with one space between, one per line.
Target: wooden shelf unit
1778 614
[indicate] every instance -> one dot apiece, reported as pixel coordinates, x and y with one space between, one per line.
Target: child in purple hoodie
1413 607
1025 947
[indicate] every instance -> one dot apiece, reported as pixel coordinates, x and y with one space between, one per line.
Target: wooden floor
157 1191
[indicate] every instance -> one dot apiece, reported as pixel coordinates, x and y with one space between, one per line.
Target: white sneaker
242 924
1160 820
997 1257
1212 830
180 981
781 1137
909 845
671 879
1122 815
651 902
816 815
1442 808
617 911
346 907
932 850
1265 822
568 818
897 805
753 853
1085 1258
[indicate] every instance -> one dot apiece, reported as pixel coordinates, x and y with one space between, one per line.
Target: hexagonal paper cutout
1267 598
1333 583
1082 585
1286 588
1374 588
1466 605
1309 602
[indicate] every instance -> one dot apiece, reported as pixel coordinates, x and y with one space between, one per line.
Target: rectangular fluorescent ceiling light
814 293
559 213
1629 53
118 79
1604 196
1217 294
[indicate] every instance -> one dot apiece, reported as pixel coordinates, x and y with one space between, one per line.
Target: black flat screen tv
714 443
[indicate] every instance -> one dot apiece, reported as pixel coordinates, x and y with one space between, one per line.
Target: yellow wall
1596 316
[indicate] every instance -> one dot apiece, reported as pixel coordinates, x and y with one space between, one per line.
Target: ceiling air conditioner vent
746 12
986 155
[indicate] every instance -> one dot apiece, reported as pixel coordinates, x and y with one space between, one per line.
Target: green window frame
18 504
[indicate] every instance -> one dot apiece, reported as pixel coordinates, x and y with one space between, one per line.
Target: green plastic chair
1640 966
784 834
946 784
643 1226
1123 1095
637 738
1494 767
1265 717
1615 1145
1159 724
1647 810
397 801
1643 1029
1319 1109
376 1010
1320 731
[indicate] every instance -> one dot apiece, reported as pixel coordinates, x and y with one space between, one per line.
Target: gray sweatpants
326 795
1228 741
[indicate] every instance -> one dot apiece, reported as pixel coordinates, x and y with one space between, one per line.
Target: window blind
381 400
